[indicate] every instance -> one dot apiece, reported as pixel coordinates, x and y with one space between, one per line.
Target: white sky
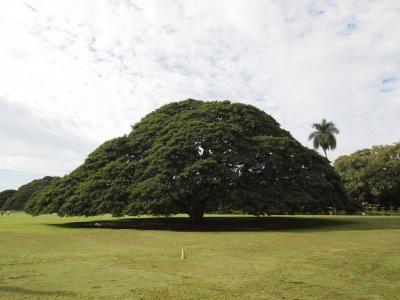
76 73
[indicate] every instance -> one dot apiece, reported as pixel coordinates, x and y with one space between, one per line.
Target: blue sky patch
314 10
387 84
350 27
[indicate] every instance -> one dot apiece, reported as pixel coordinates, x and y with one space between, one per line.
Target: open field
316 257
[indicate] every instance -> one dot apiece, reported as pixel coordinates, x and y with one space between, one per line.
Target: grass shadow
35 293
215 224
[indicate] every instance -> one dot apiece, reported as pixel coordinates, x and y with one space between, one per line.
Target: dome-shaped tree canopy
195 157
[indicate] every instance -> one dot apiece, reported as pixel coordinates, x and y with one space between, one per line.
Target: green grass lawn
307 257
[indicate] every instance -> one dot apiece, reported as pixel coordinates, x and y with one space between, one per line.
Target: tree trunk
325 153
196 216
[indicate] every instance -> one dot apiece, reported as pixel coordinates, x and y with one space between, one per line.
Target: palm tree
324 135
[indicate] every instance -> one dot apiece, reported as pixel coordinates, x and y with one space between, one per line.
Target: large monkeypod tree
196 157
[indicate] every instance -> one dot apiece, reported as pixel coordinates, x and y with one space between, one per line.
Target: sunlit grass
308 257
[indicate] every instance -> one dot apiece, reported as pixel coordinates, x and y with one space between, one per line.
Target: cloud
76 73
31 143
11 179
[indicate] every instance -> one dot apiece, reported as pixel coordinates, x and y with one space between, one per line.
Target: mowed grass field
303 257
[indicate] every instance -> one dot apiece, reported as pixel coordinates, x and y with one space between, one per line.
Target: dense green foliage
194 157
24 193
4 195
324 135
372 175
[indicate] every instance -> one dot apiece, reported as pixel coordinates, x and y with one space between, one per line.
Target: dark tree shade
372 175
4 195
24 193
195 157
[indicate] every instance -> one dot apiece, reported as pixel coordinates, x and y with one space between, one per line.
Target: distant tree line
4 196
372 176
16 199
